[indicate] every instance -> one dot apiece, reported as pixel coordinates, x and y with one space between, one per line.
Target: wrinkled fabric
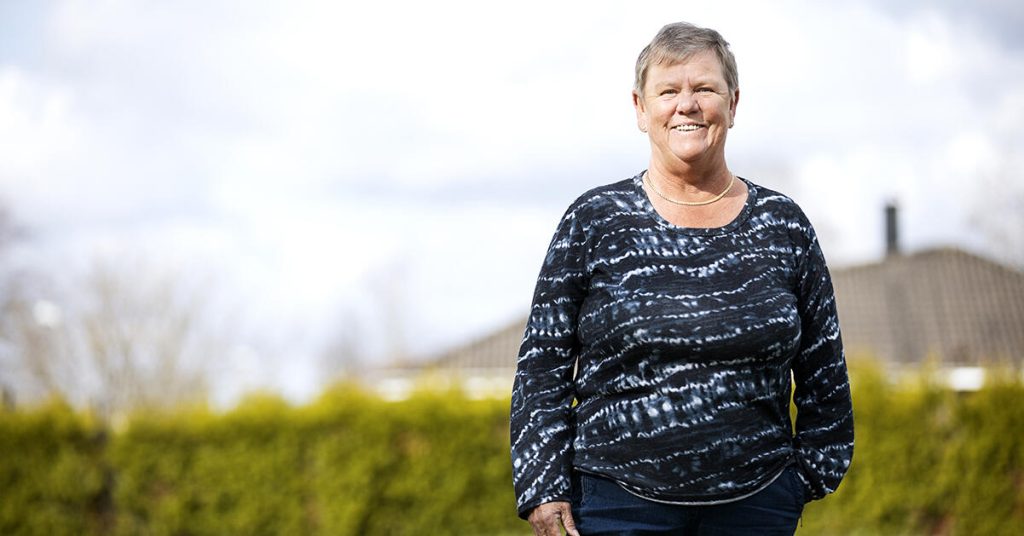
662 357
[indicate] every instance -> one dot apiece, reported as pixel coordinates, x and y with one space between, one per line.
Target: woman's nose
686 103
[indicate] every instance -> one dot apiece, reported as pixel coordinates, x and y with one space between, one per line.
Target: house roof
483 368
945 304
497 350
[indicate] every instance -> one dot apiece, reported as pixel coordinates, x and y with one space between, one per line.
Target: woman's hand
549 518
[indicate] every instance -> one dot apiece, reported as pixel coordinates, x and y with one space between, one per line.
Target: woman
675 308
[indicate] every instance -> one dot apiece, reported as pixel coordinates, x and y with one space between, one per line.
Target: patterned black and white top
677 345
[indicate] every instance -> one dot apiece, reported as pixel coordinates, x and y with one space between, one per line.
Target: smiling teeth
687 128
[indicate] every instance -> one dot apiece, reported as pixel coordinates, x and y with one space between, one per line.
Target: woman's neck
689 179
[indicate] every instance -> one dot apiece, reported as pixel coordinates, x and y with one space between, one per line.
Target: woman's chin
693 154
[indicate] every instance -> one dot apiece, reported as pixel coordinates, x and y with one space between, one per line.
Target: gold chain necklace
647 177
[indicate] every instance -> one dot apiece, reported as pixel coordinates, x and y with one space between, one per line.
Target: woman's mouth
687 128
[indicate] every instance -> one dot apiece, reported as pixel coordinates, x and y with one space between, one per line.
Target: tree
13 309
124 339
143 339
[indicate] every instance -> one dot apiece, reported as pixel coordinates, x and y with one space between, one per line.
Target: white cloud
36 132
933 52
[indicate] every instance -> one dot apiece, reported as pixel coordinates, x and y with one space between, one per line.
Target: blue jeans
600 506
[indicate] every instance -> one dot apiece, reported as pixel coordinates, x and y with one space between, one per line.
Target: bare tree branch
125 339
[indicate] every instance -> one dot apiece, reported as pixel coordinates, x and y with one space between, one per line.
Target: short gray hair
679 41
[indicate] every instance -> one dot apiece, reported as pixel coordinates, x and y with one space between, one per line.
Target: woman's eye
705 90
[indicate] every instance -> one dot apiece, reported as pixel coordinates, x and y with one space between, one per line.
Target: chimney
892 244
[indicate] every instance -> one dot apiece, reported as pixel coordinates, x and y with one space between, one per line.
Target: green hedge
927 461
930 461
347 464
53 479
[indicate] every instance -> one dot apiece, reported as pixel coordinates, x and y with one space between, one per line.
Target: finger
568 522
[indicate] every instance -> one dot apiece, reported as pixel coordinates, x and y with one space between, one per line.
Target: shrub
927 461
53 477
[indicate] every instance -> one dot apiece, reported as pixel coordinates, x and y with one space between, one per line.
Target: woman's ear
732 107
641 111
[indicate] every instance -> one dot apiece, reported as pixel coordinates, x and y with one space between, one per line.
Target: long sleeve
677 345
542 396
824 423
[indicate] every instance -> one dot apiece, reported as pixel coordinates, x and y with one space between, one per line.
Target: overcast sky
337 163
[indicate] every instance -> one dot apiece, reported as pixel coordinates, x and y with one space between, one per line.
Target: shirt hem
696 503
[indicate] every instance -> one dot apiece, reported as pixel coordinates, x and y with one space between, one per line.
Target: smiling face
687 109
